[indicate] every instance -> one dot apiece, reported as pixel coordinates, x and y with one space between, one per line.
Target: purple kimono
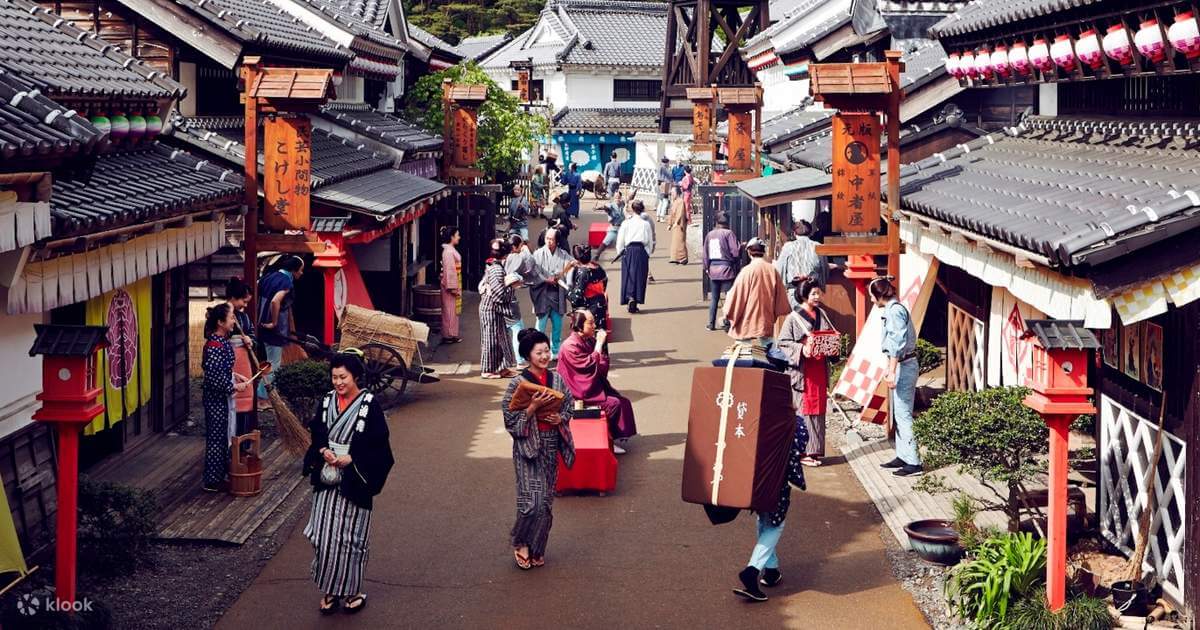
584 369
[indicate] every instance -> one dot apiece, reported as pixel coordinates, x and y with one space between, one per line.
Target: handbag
332 475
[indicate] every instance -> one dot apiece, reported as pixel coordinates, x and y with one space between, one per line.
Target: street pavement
640 558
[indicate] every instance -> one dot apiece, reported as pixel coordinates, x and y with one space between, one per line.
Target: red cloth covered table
596 232
595 465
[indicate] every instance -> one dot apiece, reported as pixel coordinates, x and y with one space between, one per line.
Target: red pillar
860 269
1056 554
66 519
330 311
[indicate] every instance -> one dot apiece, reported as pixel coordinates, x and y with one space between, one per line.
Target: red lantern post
1060 393
70 399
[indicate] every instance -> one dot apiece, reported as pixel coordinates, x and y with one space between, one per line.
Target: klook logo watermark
31 604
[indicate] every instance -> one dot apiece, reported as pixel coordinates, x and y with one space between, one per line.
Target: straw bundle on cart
361 326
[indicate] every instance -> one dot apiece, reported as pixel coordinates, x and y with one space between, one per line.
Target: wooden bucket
427 305
245 466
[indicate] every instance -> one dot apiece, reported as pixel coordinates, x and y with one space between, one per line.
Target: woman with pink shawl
583 365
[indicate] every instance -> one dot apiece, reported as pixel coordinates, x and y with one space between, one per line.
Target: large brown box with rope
740 428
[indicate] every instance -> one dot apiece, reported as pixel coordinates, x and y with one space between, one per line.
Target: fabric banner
1010 358
11 556
862 378
125 364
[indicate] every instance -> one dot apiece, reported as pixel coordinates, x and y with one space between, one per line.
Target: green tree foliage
453 20
990 435
505 129
302 384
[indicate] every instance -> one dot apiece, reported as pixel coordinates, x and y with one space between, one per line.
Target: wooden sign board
856 172
849 78
702 115
523 85
287 172
741 141
464 123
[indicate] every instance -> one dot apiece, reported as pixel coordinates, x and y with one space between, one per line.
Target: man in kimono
549 290
612 175
574 183
758 298
798 259
719 252
665 181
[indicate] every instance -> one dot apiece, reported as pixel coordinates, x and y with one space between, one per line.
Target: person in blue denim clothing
900 346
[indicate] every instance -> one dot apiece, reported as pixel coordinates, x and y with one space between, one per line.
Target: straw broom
292 432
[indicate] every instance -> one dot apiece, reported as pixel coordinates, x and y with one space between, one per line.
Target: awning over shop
382 193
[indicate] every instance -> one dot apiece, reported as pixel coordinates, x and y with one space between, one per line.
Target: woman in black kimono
537 443
347 463
218 389
589 286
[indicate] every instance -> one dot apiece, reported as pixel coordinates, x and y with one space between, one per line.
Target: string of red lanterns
1089 50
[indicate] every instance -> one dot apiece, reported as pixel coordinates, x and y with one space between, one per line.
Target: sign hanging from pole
287 177
856 177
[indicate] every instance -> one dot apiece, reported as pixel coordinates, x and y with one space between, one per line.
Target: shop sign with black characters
856 172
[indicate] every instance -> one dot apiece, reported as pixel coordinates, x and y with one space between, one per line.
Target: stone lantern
1060 393
70 400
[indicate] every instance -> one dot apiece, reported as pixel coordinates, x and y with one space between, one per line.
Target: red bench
595 466
596 233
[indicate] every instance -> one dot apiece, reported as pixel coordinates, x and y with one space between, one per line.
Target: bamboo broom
1133 570
292 432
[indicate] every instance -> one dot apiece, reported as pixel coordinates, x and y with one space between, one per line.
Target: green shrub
999 573
970 536
929 356
844 346
1079 613
990 435
302 384
1085 423
116 526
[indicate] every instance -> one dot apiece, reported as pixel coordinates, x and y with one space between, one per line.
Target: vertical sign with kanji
741 141
856 174
523 85
287 172
701 122
464 121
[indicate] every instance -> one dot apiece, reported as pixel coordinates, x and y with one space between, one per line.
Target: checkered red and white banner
862 378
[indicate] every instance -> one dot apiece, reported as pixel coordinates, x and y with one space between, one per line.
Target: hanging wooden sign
523 85
856 174
287 172
702 114
741 141
464 121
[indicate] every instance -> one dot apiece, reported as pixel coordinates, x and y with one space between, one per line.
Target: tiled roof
66 340
342 171
261 22
429 40
983 14
593 32
1063 188
33 125
59 59
386 128
481 46
147 183
611 120
922 65
380 193
352 15
783 14
861 14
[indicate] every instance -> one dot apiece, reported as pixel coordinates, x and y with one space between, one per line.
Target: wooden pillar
1056 511
250 223
66 526
893 174
703 19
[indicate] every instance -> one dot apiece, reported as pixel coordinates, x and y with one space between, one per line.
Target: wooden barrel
427 305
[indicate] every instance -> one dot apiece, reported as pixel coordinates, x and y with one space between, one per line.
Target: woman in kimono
589 285
677 223
686 186
809 375
451 284
497 306
237 293
347 463
218 389
583 365
537 191
537 444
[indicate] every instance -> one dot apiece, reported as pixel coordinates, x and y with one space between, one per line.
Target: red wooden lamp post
70 399
1060 393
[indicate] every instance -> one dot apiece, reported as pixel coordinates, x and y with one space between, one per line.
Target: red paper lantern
1087 48
1117 45
1018 58
1063 53
1185 35
983 63
967 61
1000 62
1149 41
1039 56
954 66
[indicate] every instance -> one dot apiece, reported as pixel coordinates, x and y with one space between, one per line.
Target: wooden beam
290 243
847 246
731 47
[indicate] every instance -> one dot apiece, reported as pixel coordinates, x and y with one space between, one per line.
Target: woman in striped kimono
537 443
348 463
497 306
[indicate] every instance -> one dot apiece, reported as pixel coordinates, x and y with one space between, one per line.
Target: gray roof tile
594 32
1061 187
381 193
983 14
429 40
261 22
481 46
357 20
386 128
601 120
59 59
34 126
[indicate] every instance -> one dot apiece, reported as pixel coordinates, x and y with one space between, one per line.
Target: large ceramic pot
935 541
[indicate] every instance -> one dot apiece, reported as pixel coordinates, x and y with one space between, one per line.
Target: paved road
640 558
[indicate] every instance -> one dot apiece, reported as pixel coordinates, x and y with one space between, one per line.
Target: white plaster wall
590 90
780 94
22 373
650 149
556 89
352 89
1048 99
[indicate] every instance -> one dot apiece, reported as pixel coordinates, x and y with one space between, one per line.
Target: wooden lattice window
637 89
966 368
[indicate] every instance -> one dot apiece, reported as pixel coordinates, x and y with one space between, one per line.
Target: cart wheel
381 363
